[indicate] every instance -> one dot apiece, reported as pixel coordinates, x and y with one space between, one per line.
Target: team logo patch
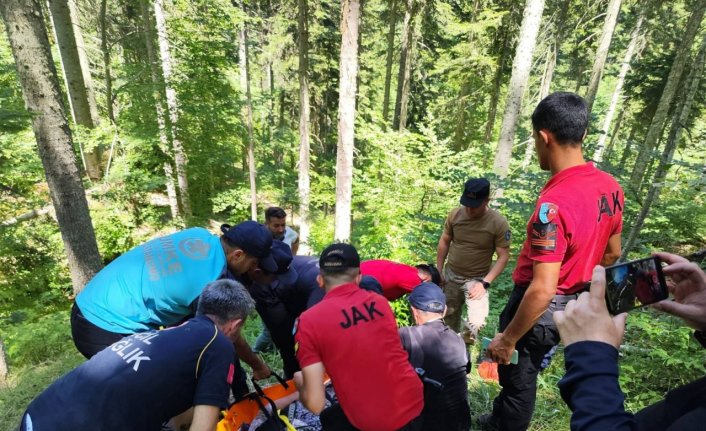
296 347
547 212
543 236
508 235
194 248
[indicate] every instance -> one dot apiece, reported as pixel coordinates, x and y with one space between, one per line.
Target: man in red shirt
398 279
575 226
352 335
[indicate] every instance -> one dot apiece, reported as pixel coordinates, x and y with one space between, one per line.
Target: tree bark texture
554 51
615 98
404 71
654 133
521 66
158 94
105 49
77 75
245 88
680 117
350 21
303 184
40 88
611 20
388 60
180 160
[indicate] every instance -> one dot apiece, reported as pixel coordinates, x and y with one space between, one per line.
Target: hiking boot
488 422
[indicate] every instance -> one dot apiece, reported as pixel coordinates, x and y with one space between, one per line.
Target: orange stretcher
246 408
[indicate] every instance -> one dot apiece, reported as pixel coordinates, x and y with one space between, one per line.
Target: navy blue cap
368 282
428 297
254 239
475 191
339 257
282 254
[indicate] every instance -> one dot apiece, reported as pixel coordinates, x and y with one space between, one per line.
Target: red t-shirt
353 333
396 278
578 210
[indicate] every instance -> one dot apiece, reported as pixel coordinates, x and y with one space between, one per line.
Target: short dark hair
430 269
563 114
225 300
337 277
275 212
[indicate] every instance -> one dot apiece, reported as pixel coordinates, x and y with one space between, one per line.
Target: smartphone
634 284
484 349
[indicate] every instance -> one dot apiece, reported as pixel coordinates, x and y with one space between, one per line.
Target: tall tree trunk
624 68
495 92
245 88
158 95
24 22
74 62
388 60
554 51
655 131
602 51
180 160
350 21
304 146
521 66
615 133
106 61
680 117
3 364
404 71
461 103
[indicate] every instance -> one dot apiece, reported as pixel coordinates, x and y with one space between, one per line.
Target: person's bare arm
442 250
205 418
260 370
535 302
310 383
612 250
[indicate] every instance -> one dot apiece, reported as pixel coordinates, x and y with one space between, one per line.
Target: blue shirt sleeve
591 390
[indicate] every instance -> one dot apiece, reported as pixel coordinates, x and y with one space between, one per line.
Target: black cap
254 239
339 257
282 254
475 191
428 297
368 282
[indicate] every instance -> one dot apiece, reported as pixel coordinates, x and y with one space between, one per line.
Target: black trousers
514 406
280 324
683 409
333 419
89 338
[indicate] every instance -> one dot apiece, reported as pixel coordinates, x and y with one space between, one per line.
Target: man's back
154 283
140 381
442 354
354 334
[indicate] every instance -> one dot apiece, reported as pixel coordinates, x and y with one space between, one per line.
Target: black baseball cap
282 254
475 191
428 297
254 239
339 257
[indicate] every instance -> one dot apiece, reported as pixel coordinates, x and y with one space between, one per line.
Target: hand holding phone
634 284
484 350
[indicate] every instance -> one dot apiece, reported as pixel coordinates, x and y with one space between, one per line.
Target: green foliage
37 336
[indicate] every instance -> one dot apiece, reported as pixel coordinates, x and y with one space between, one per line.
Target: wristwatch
700 337
483 282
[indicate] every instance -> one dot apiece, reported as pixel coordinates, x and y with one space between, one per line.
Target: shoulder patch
543 236
547 212
508 235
